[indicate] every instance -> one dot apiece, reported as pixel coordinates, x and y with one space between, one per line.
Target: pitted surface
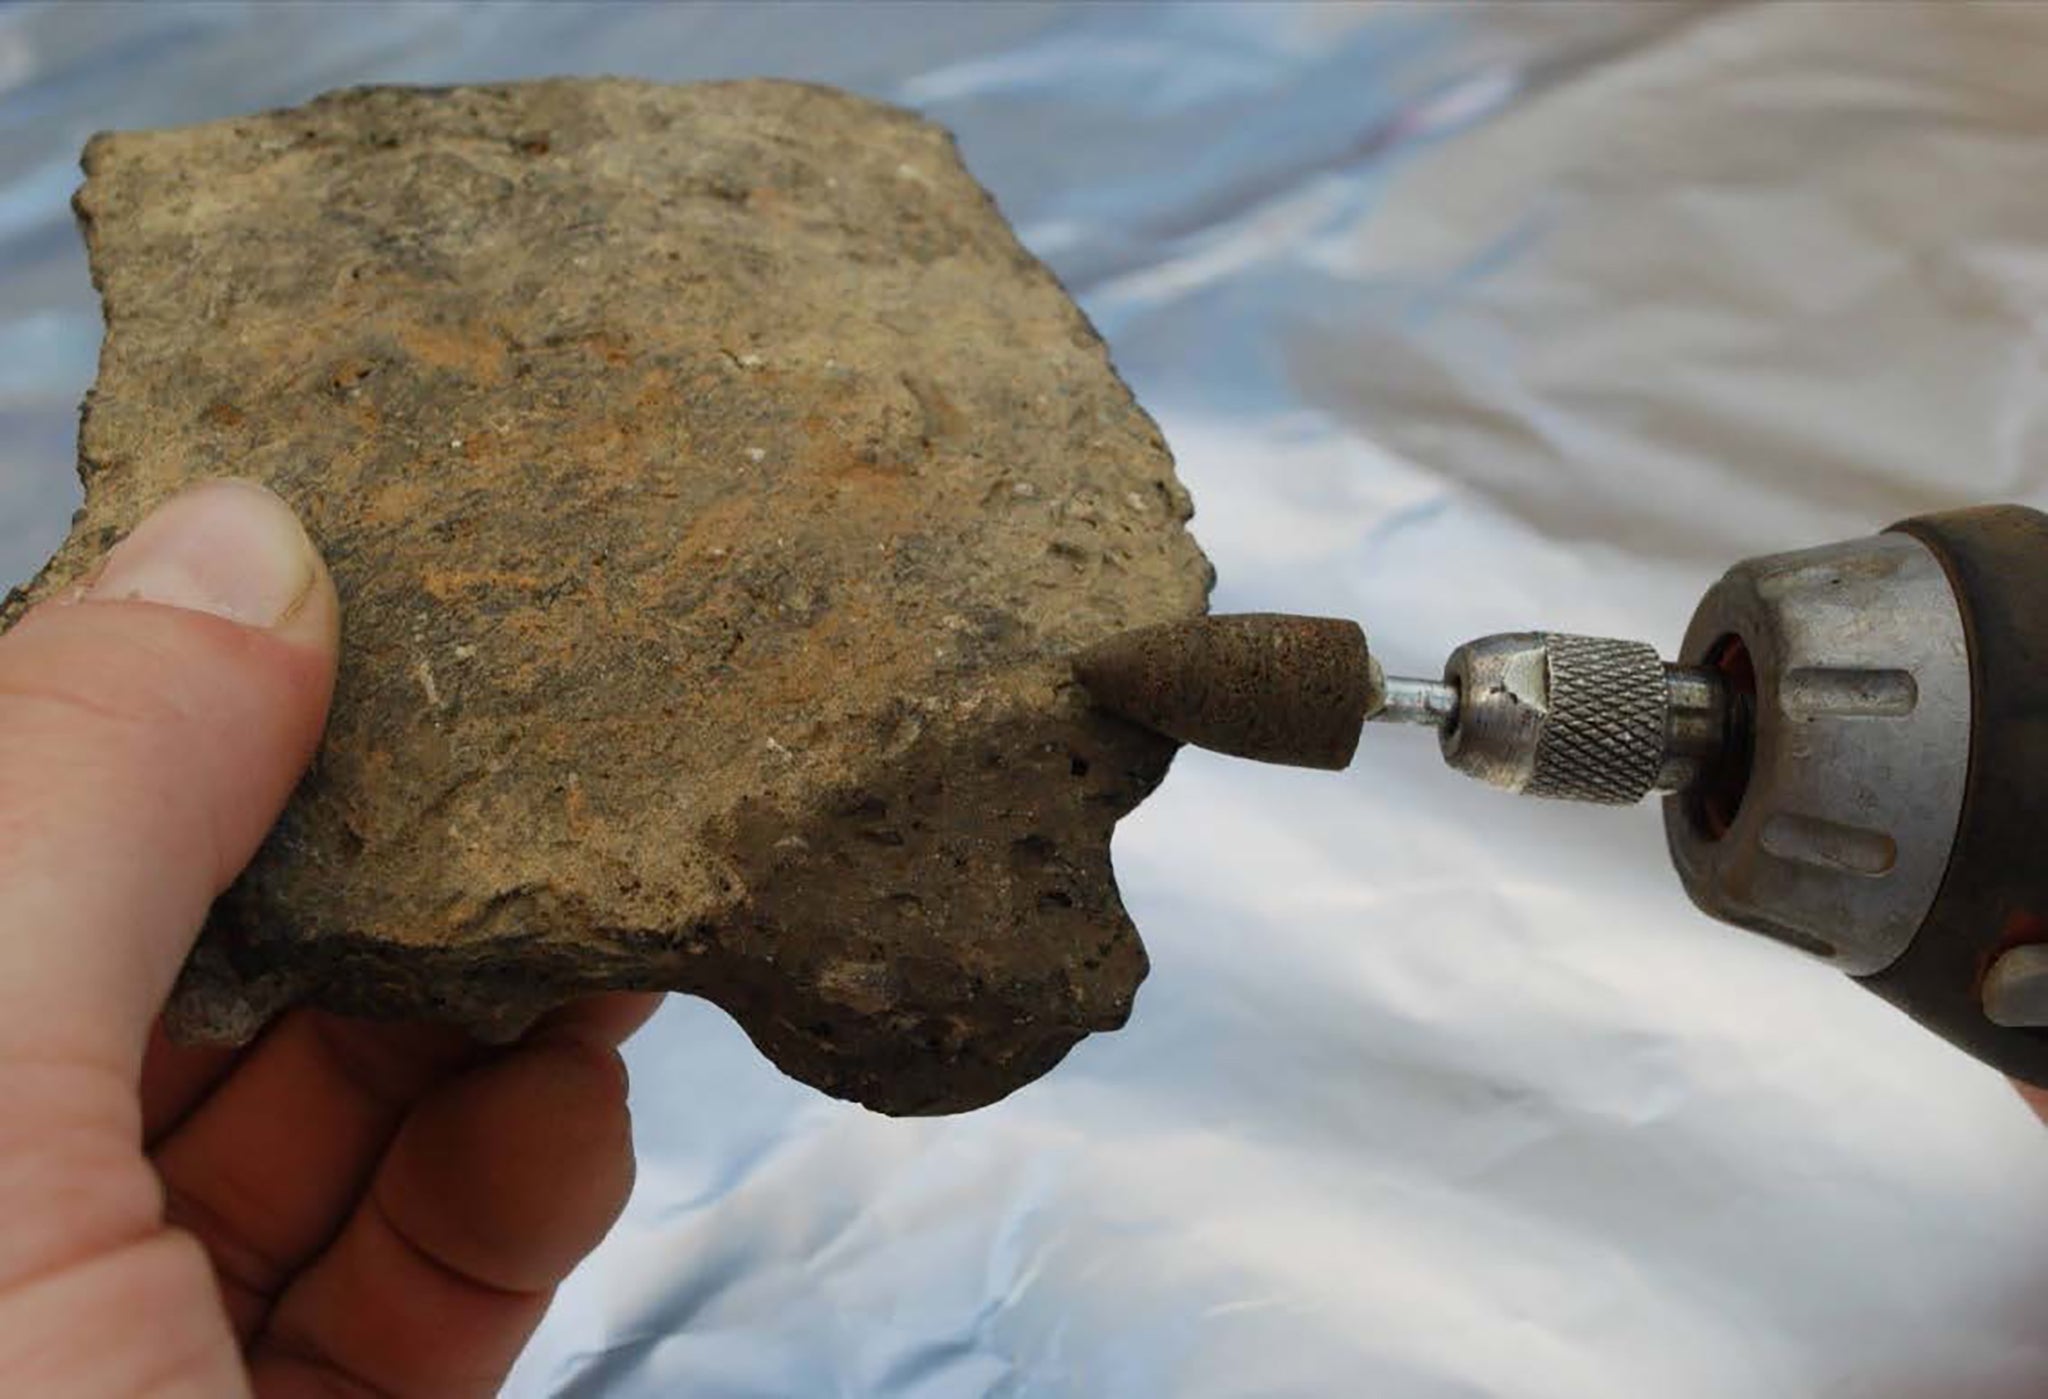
716 491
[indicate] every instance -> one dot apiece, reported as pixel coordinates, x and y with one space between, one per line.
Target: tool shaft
1405 700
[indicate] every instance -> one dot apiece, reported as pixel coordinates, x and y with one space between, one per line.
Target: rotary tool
1852 747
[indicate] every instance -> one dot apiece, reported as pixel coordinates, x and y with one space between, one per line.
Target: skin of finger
2036 1098
497 1185
267 1167
144 753
270 1165
175 1079
515 1171
140 1319
449 1340
610 1018
267 1170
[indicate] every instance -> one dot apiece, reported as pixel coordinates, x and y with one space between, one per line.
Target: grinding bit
1267 686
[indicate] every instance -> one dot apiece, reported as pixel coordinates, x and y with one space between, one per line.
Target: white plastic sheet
1460 319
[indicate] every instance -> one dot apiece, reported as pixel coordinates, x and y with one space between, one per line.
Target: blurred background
1459 318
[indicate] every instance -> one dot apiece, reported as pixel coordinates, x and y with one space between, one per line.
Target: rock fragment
716 491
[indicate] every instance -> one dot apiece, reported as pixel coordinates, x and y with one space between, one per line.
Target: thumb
152 725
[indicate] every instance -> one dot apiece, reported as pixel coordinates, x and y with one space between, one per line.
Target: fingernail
229 548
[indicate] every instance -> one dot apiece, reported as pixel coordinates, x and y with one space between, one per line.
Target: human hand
340 1208
2036 1098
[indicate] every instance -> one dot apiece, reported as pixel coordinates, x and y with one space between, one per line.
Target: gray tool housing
1850 669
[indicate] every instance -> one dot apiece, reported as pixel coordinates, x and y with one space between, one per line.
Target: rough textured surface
716 492
1272 686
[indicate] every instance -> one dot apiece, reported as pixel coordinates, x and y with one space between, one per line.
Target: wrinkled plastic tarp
1460 319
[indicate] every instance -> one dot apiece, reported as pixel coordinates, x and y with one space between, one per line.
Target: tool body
1852 746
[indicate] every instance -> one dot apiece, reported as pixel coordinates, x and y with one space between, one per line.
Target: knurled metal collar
1550 715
